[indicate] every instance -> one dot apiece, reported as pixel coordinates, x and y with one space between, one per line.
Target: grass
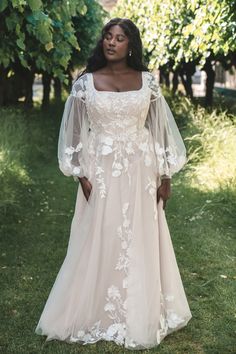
36 209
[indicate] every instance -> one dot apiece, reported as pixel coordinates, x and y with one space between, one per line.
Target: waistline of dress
124 136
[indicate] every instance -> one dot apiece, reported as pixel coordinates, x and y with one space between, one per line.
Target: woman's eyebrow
119 34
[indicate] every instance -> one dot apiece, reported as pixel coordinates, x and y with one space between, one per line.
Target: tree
179 34
38 36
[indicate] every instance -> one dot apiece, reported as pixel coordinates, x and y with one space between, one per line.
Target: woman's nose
112 41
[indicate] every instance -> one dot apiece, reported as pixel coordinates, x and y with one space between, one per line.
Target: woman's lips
110 51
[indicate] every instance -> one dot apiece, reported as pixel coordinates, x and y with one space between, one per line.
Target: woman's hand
164 191
86 186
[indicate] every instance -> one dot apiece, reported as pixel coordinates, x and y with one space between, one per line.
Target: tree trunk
57 89
189 85
186 73
9 87
187 82
175 81
209 82
46 80
161 75
167 79
3 85
183 79
186 78
28 83
164 76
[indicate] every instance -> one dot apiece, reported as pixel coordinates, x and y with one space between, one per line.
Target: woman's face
115 44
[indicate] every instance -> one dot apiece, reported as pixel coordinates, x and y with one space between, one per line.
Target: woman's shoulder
153 84
152 80
79 86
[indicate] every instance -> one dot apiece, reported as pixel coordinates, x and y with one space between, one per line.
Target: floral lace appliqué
100 181
169 154
116 305
151 187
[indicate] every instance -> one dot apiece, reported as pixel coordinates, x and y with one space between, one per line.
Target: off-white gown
119 281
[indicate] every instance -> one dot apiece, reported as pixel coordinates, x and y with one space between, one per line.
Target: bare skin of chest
126 81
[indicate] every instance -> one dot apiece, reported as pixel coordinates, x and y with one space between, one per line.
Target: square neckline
119 92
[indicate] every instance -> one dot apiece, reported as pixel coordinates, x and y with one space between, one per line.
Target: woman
119 281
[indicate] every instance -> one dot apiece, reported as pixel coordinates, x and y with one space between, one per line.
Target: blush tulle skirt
119 281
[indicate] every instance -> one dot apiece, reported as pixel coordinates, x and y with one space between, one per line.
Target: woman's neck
117 67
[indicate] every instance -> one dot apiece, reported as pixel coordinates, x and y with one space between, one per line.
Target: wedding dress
119 281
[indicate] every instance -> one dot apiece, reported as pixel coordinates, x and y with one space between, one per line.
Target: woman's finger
164 204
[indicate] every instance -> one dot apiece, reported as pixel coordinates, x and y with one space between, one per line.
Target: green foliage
182 30
212 29
88 29
41 35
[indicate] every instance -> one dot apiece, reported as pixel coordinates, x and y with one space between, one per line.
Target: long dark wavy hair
97 60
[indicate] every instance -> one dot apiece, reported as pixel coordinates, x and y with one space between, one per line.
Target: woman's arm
168 144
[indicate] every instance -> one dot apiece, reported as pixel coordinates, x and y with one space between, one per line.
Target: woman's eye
109 37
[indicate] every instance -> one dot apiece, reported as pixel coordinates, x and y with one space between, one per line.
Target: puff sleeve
168 144
73 135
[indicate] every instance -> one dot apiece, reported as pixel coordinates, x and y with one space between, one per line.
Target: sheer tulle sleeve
73 136
168 144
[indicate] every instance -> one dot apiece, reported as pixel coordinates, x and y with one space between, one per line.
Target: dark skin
118 76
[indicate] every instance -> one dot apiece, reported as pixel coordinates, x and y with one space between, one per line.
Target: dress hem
73 340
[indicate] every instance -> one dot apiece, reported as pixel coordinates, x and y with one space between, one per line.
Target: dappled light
213 163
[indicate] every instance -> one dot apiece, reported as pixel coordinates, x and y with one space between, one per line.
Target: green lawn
35 228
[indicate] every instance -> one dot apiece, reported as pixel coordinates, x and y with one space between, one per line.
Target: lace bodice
125 112
125 124
122 117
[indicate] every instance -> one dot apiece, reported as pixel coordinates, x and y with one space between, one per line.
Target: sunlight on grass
217 166
21 173
10 165
13 151
22 141
2 157
211 143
